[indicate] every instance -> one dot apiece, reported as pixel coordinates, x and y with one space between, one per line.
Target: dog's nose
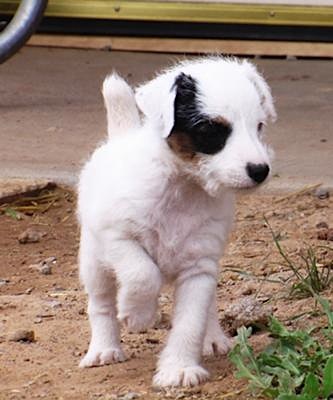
257 172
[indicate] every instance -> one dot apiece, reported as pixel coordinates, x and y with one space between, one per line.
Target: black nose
257 172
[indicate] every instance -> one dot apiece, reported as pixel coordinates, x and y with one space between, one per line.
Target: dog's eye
209 137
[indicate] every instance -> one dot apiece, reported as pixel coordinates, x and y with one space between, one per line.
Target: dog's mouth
250 187
242 188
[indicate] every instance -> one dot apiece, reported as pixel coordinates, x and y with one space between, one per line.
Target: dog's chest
185 225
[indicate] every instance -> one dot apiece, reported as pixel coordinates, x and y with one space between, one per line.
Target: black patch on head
206 135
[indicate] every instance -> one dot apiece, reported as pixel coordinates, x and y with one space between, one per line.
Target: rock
163 321
152 340
53 304
129 396
50 260
246 312
45 269
325 234
22 335
31 235
330 235
164 299
4 282
322 193
322 225
45 266
248 289
322 234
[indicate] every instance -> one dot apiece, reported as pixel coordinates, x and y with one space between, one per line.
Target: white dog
156 205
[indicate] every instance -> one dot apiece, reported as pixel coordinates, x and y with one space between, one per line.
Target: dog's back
119 100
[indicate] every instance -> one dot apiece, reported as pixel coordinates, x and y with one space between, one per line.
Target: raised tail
119 100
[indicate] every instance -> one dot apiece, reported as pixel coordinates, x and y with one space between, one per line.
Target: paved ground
52 116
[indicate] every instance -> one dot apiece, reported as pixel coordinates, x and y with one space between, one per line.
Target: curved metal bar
21 27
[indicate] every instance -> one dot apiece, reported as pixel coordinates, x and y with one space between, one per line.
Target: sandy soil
53 305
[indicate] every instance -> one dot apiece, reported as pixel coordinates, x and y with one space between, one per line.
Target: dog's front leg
179 363
216 341
140 283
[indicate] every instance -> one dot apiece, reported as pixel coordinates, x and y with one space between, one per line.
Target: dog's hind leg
101 287
179 364
216 341
140 282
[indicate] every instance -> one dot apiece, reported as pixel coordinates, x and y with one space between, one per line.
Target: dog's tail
121 108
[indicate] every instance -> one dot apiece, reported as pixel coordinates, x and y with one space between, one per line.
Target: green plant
10 212
318 276
296 365
311 277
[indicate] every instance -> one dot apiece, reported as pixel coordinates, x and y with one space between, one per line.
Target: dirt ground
53 305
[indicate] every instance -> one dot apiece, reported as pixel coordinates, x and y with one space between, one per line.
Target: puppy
156 203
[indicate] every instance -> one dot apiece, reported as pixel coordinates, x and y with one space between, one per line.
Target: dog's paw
217 344
106 356
137 319
183 376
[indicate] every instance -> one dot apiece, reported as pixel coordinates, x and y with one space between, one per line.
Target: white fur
148 217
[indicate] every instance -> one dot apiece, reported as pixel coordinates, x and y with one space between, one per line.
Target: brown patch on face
180 143
222 121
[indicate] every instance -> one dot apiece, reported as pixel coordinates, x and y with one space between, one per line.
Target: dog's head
212 113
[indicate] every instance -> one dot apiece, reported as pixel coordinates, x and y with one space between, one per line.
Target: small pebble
325 234
22 335
322 193
152 341
163 321
248 289
82 311
50 260
129 396
54 304
330 235
322 225
3 282
45 269
31 236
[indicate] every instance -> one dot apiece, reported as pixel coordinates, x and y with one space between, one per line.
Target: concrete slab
52 116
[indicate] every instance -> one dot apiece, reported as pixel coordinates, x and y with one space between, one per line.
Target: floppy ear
156 99
263 89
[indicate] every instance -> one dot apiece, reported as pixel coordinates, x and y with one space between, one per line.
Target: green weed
296 365
311 276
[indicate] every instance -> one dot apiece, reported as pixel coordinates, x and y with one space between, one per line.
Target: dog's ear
156 99
263 89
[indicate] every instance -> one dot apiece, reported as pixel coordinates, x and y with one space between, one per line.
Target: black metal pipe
21 27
